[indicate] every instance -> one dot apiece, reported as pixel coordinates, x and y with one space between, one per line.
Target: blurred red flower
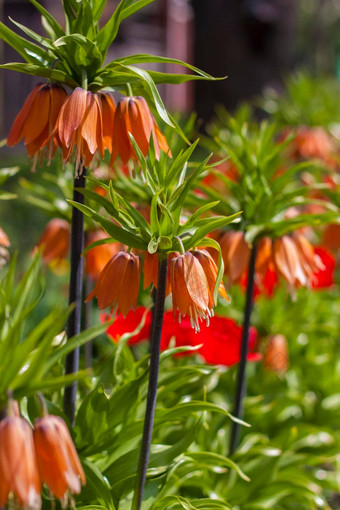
324 277
221 341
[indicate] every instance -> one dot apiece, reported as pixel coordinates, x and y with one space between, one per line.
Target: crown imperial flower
133 116
118 283
58 463
36 120
83 126
18 466
191 294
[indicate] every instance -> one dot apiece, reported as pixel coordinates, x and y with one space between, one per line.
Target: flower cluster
191 280
29 458
291 256
84 124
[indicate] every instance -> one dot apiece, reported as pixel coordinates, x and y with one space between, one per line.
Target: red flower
128 324
222 342
324 277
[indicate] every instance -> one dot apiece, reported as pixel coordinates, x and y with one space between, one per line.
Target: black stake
155 342
241 387
75 294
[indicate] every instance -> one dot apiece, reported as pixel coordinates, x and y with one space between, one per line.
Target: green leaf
154 92
108 33
117 233
29 51
144 58
213 224
36 70
80 53
54 29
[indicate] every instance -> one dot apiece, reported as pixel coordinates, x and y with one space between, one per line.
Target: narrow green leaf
38 70
58 31
117 233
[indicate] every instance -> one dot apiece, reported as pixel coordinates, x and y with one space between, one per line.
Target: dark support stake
241 387
75 294
155 342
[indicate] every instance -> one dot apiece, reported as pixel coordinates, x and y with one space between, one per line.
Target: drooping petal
16 132
71 115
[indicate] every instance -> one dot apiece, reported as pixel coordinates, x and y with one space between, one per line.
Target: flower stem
75 293
155 342
241 387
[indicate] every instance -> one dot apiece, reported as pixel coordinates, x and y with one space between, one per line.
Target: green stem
155 342
241 388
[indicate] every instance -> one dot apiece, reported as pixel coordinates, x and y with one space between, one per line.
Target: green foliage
265 188
27 357
307 100
75 56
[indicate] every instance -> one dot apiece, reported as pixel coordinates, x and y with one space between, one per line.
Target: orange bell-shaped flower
295 260
36 120
55 241
133 116
80 128
118 283
210 271
58 462
18 466
98 257
4 244
191 294
235 253
276 355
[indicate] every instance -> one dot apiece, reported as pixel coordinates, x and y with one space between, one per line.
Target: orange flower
108 106
191 294
118 283
276 355
295 260
314 142
331 236
150 270
55 241
36 120
4 244
133 116
58 462
235 253
83 126
210 270
4 241
18 466
98 257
